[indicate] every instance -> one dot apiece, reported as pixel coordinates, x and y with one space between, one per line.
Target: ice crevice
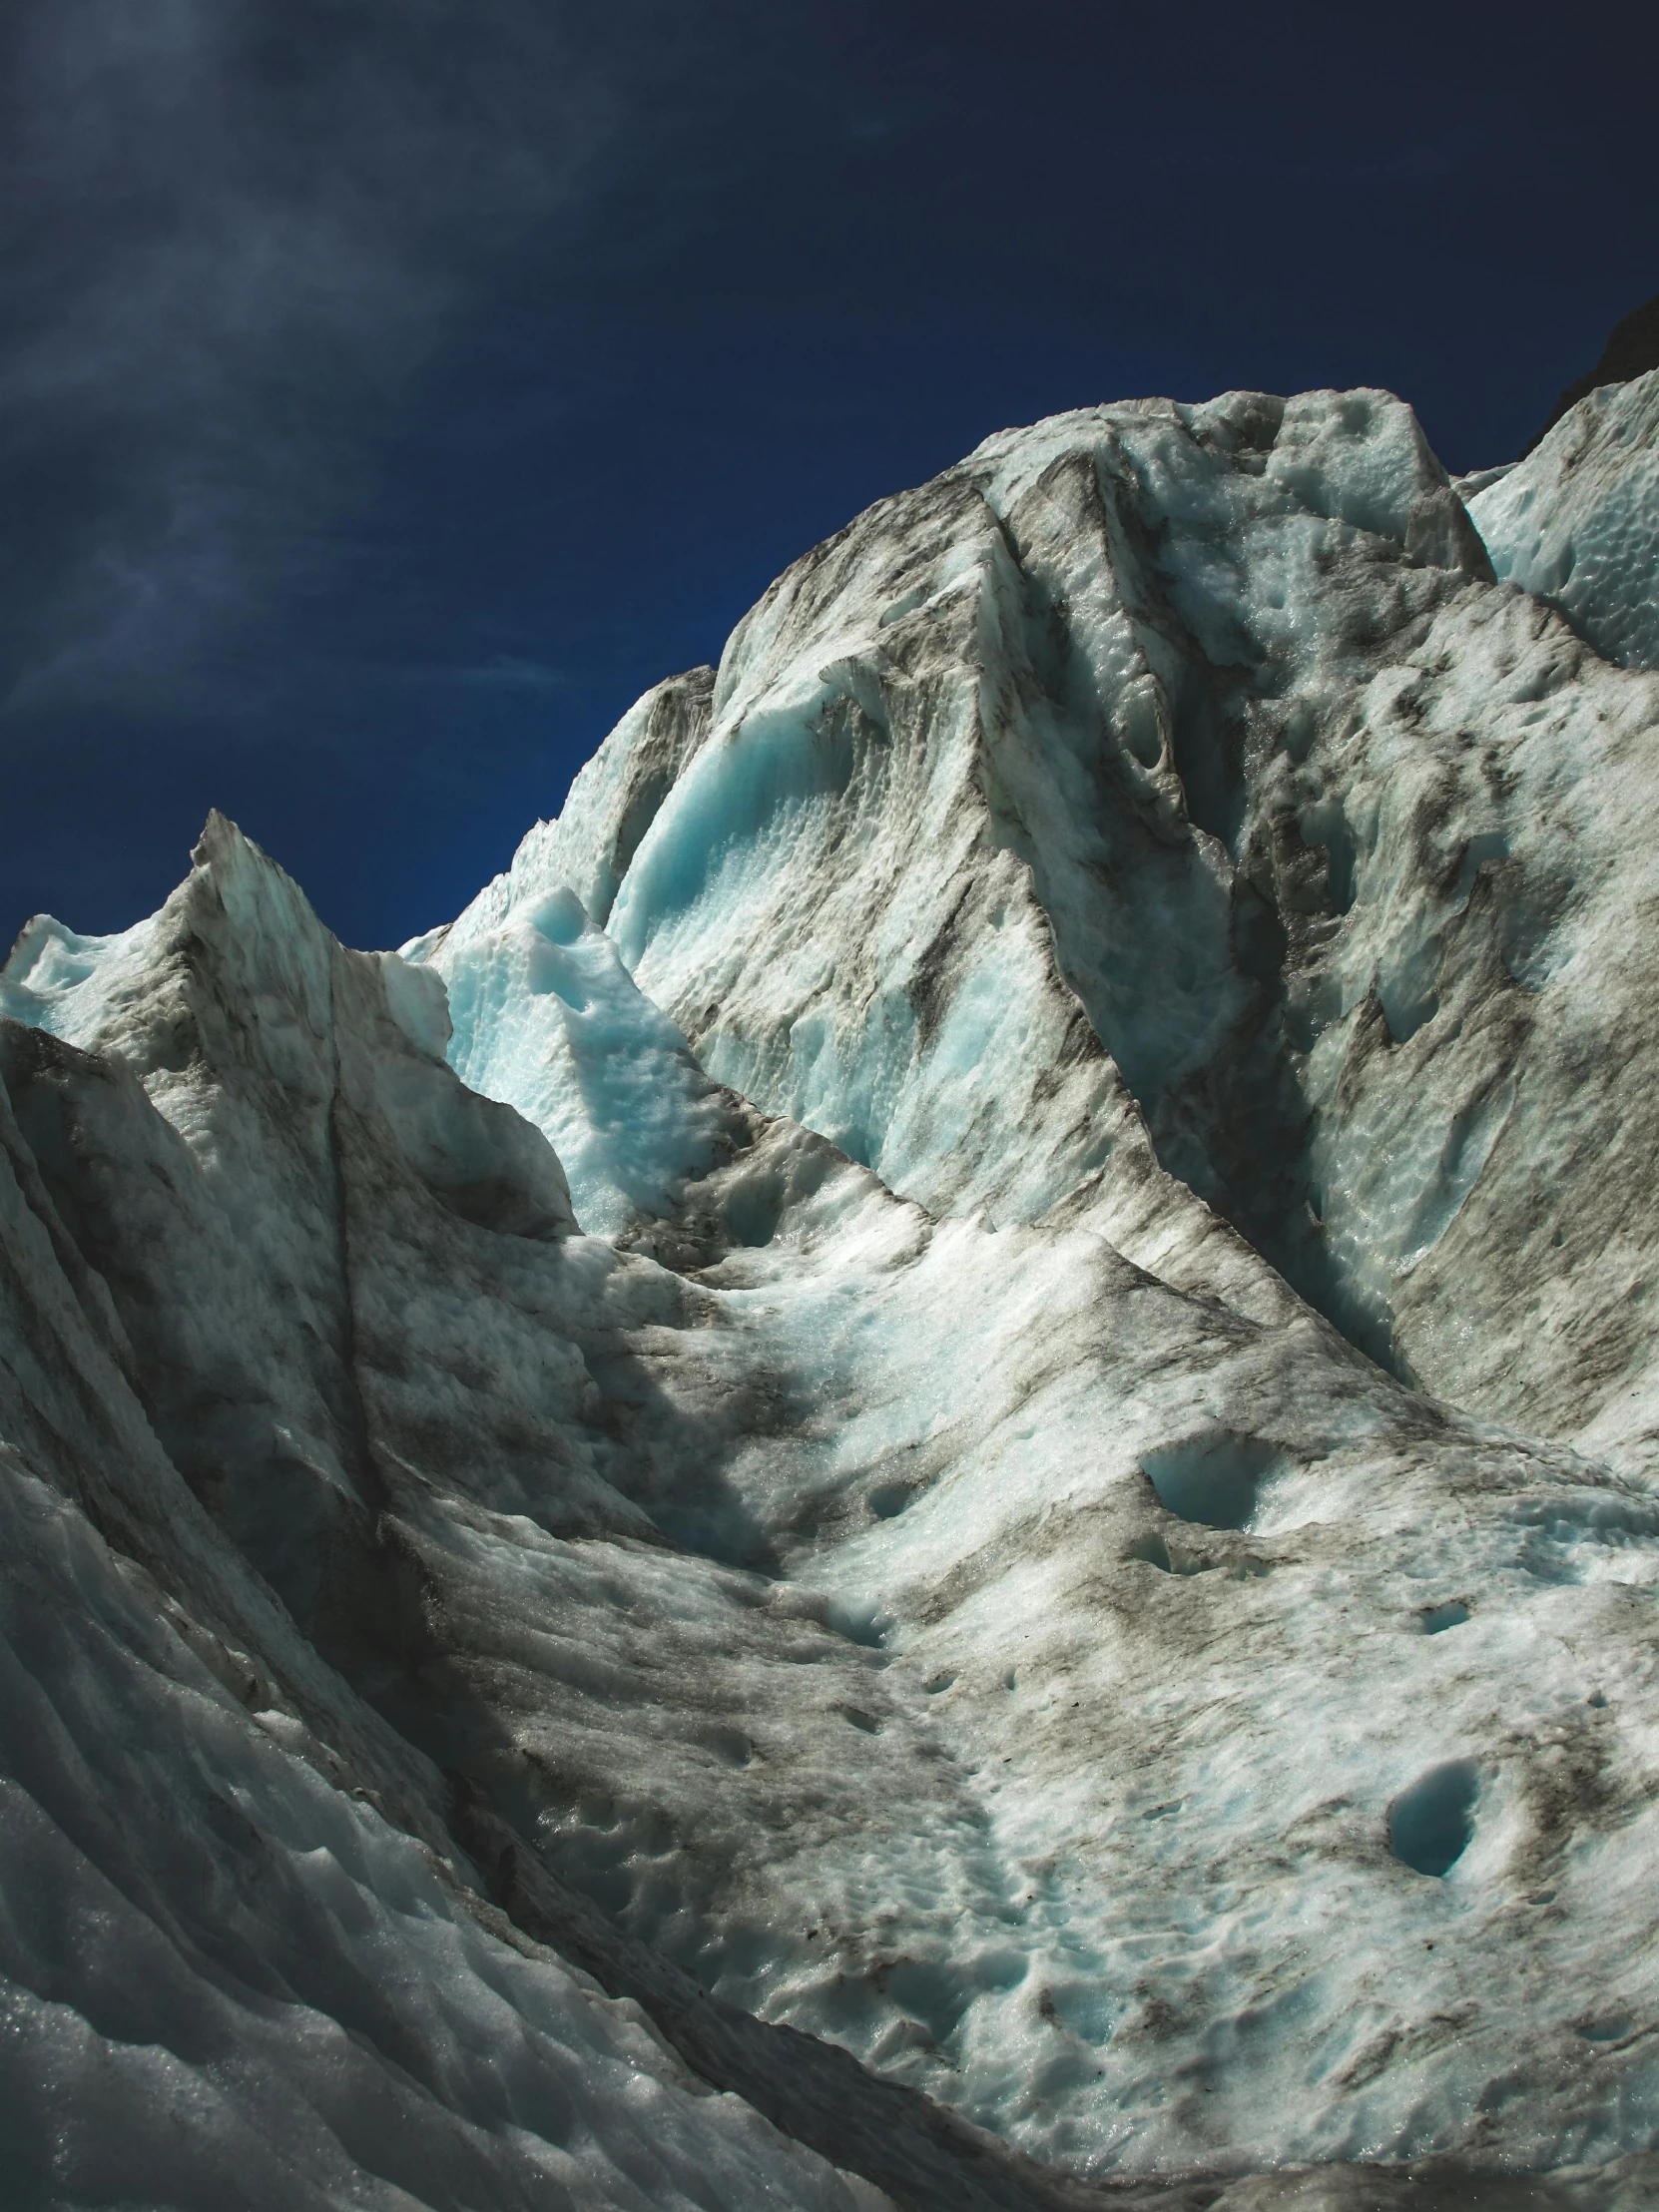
876 1441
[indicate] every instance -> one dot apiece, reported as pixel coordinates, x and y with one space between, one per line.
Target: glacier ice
926 1474
548 1020
1268 845
1577 522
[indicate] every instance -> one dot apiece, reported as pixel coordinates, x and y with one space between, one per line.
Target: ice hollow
1432 1824
1214 1479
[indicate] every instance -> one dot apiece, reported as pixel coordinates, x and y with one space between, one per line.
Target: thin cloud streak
239 228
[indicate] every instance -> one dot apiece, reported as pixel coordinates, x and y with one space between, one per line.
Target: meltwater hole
888 1499
753 1212
1153 1551
1437 1619
1432 1823
1216 1479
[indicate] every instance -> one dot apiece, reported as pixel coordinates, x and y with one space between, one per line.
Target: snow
782 1408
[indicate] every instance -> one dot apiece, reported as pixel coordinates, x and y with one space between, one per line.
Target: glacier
1577 522
925 1476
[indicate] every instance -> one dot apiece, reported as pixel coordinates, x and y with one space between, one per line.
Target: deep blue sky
393 389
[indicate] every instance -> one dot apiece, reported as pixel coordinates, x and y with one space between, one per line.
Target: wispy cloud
234 229
506 672
502 671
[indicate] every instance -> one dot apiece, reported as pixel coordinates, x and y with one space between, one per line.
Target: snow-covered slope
781 1414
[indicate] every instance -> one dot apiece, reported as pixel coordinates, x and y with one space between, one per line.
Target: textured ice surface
548 1019
227 1979
893 1554
1266 842
941 1540
239 1961
1577 522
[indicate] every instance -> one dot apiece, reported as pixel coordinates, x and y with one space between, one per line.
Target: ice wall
1165 816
